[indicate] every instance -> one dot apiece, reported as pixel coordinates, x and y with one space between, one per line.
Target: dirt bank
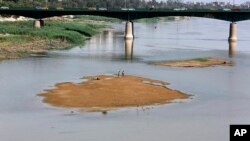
109 91
197 62
35 47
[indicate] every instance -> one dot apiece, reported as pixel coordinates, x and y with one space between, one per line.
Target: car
213 9
39 7
102 9
42 8
180 9
59 8
183 8
226 9
4 7
152 7
92 8
128 9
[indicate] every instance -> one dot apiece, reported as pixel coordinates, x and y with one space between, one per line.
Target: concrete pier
37 24
129 30
129 44
232 49
41 23
233 32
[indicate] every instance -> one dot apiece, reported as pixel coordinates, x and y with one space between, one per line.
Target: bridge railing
123 9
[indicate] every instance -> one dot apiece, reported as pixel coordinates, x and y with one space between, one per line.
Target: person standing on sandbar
118 74
123 73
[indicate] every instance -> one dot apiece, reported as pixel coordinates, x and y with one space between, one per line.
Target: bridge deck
232 15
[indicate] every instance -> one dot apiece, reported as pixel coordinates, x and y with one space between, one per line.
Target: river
220 94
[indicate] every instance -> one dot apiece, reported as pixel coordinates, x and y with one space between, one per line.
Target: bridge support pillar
233 32
41 22
37 24
129 49
232 49
129 30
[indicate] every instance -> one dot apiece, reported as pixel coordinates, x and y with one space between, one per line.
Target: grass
201 59
85 29
72 32
15 39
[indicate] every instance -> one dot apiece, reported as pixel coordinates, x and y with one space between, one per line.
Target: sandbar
196 62
111 92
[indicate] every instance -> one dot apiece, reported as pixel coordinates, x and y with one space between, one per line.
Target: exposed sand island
197 62
104 92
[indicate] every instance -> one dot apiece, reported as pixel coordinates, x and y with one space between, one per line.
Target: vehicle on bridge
226 9
102 9
4 7
92 8
213 9
180 9
127 9
59 8
41 8
152 7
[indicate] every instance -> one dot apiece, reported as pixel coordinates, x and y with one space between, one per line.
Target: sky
236 1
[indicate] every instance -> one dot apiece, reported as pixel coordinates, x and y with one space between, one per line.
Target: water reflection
129 44
104 38
232 49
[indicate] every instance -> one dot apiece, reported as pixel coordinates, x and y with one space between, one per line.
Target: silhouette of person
118 74
123 73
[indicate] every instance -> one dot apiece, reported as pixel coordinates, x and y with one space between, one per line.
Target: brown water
221 94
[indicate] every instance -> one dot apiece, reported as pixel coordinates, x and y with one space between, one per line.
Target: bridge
232 15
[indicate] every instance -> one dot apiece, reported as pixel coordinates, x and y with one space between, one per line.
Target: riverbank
197 62
19 39
104 92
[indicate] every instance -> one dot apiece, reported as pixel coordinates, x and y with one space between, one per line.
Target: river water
220 94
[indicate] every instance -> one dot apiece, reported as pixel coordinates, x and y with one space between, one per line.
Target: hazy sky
236 1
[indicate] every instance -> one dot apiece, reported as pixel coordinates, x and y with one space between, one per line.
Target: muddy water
220 94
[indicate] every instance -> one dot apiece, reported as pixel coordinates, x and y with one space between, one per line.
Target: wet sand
111 92
197 62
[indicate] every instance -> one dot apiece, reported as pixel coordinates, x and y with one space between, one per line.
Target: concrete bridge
233 16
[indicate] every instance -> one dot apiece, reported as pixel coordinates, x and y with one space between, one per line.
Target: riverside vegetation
20 39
